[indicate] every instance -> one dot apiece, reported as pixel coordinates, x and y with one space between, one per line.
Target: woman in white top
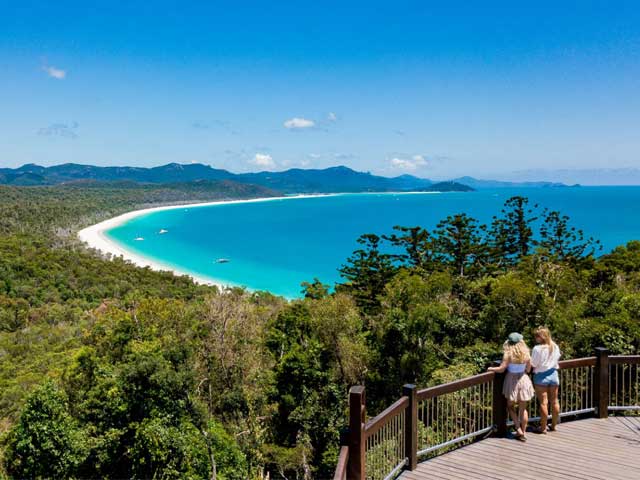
544 361
517 386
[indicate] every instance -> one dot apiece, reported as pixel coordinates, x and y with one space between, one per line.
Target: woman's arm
501 368
535 357
528 367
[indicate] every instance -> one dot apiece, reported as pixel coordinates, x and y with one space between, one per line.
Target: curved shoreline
94 236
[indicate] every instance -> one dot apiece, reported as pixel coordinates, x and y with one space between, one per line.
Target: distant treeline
109 370
45 210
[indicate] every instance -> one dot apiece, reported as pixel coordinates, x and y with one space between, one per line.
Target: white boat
163 231
138 239
222 260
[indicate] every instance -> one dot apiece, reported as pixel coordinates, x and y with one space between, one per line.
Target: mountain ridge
295 180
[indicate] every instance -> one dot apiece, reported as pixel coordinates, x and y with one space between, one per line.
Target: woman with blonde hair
544 361
517 387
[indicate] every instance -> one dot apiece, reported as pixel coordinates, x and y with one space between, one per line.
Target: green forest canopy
109 370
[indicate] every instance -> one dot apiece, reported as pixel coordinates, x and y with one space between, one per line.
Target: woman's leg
543 404
511 406
555 405
524 416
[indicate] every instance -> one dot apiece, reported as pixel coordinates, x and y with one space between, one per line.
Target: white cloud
263 160
54 72
296 123
332 117
412 164
314 156
419 160
402 164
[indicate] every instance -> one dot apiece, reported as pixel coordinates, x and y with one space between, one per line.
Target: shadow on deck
589 449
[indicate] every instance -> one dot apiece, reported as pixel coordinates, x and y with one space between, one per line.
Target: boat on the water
222 260
139 239
163 231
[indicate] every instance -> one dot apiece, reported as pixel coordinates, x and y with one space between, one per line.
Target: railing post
499 404
357 445
601 384
341 473
411 426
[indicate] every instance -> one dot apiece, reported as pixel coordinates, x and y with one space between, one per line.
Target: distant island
338 179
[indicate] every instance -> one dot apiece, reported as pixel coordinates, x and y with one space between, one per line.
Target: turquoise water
278 244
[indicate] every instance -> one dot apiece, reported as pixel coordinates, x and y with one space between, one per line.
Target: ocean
278 244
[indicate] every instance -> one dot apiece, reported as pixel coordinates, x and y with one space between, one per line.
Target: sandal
520 436
540 431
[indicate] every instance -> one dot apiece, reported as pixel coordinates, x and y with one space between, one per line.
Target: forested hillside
109 370
295 180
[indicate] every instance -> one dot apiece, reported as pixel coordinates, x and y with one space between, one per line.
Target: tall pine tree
562 241
416 244
459 240
367 272
512 234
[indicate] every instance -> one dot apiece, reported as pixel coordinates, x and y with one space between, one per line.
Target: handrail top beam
577 362
380 420
451 387
343 460
622 359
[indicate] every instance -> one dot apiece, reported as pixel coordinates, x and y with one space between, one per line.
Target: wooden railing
385 440
343 459
424 423
454 413
624 382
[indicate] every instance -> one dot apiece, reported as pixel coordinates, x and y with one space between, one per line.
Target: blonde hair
516 352
545 336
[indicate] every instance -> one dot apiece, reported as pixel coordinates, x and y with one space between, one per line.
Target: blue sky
436 89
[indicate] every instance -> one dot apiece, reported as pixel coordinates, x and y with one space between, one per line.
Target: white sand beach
95 238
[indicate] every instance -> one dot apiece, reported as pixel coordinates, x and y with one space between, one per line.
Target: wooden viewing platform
460 430
589 449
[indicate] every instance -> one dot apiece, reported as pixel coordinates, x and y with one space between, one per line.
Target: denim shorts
548 378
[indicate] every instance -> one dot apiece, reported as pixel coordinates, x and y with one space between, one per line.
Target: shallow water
278 244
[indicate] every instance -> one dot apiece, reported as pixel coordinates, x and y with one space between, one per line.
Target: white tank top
516 367
543 359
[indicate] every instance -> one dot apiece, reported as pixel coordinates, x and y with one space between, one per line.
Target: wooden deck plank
634 419
510 467
568 461
473 470
615 447
633 424
441 475
589 449
541 468
538 455
556 450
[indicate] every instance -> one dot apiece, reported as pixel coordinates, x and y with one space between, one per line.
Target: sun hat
514 338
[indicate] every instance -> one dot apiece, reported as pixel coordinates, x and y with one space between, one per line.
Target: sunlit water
278 244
